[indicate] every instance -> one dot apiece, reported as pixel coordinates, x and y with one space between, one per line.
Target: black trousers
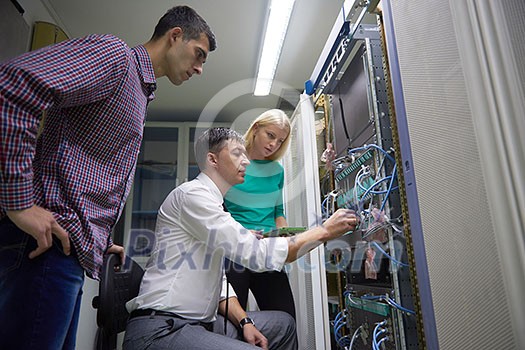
271 289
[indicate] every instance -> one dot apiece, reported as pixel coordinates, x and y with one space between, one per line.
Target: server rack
454 91
370 287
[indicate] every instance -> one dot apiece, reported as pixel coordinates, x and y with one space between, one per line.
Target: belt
153 312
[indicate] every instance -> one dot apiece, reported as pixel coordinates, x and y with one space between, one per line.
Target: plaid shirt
94 91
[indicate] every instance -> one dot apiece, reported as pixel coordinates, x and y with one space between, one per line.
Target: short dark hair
213 140
191 23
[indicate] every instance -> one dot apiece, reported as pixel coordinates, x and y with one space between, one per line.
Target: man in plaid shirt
61 192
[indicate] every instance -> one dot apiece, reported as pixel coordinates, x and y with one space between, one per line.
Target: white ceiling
225 89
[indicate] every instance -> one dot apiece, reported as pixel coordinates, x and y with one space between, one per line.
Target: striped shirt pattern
94 91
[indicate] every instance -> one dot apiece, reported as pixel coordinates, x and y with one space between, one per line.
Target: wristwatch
245 321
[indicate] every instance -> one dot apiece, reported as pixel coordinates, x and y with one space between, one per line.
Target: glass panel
156 174
193 168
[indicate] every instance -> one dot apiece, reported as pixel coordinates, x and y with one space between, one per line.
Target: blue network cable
386 155
387 255
354 337
371 190
338 337
378 344
323 209
339 316
367 147
389 301
350 299
378 330
339 323
393 176
393 303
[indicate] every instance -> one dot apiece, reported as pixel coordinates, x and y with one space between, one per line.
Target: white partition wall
307 275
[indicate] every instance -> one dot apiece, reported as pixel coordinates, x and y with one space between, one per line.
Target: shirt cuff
16 196
231 293
110 242
279 253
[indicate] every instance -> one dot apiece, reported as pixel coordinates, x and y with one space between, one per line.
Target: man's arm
207 222
32 83
342 221
67 74
235 314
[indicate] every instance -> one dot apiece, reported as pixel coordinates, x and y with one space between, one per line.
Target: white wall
87 326
35 11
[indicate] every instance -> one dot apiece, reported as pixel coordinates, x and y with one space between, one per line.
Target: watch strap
245 321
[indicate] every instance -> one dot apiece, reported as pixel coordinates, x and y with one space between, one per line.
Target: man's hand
41 225
118 250
254 337
342 221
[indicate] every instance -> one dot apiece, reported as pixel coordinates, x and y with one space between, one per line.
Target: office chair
118 285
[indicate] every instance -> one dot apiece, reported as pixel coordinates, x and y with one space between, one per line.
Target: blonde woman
258 205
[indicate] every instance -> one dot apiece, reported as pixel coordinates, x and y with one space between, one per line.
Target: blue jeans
40 297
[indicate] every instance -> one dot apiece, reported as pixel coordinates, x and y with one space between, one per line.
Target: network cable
370 190
395 261
354 337
378 330
394 304
339 323
389 301
392 178
378 344
367 147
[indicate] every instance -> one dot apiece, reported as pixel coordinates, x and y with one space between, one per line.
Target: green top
258 201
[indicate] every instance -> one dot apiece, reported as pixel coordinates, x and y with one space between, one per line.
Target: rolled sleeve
279 252
227 290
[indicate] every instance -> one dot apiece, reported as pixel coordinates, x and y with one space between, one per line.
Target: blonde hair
271 117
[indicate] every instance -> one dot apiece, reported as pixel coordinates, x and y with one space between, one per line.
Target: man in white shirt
184 285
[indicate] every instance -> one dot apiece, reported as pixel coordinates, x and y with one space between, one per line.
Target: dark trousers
271 289
40 297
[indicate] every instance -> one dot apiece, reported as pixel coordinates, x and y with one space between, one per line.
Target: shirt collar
208 182
145 68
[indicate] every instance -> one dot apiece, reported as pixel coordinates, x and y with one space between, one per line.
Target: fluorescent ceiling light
280 11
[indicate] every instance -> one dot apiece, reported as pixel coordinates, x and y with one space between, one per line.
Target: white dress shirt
185 274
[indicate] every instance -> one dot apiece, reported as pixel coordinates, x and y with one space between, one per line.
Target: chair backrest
118 285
